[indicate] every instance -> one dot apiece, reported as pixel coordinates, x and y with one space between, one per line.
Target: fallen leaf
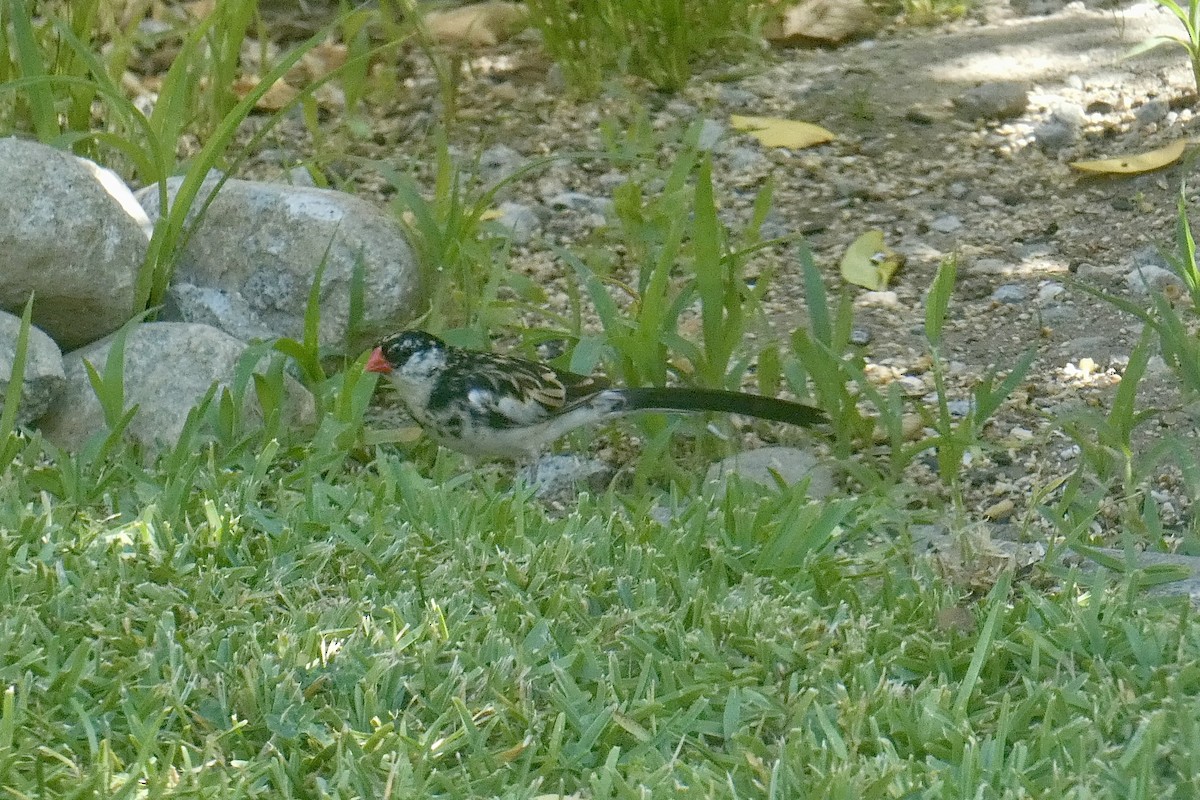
870 263
1131 165
775 132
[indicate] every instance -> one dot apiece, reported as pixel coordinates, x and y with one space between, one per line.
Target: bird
493 405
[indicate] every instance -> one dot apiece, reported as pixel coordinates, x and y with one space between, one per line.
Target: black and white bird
486 404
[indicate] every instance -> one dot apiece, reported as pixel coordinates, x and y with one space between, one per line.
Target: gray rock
499 162
1151 112
711 132
66 236
946 223
1010 294
519 221
1054 134
745 159
735 97
860 337
1146 278
169 366
264 242
959 408
43 376
229 311
580 203
561 477
1050 291
790 464
996 100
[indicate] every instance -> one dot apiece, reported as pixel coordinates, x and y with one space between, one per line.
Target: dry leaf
870 263
775 132
1131 165
479 25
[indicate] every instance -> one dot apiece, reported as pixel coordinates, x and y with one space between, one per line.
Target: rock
745 159
1056 133
43 376
519 221
169 366
735 97
1145 278
477 25
1049 291
946 223
1151 112
790 464
580 203
1010 294
996 100
264 242
498 163
559 478
229 311
711 132
818 22
68 239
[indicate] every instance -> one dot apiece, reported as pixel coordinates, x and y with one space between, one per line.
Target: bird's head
409 354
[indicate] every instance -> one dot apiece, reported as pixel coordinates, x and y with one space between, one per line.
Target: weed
1188 15
661 41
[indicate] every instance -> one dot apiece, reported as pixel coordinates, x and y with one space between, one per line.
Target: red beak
377 363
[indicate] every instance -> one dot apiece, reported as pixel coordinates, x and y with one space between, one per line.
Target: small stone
1049 291
1054 135
958 408
1146 278
711 132
1151 112
736 97
519 221
887 299
860 337
997 100
1010 294
947 223
499 162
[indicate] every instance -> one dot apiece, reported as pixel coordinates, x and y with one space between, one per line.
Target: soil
988 192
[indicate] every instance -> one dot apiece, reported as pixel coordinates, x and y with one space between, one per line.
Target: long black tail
689 399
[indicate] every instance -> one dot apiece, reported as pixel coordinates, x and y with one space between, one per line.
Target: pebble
1151 112
947 223
519 221
1010 294
499 162
580 202
997 100
711 132
1148 277
1049 291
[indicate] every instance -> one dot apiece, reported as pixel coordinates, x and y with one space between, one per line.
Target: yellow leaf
870 263
1131 165
775 132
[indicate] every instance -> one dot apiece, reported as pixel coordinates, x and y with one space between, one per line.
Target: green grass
275 613
272 632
